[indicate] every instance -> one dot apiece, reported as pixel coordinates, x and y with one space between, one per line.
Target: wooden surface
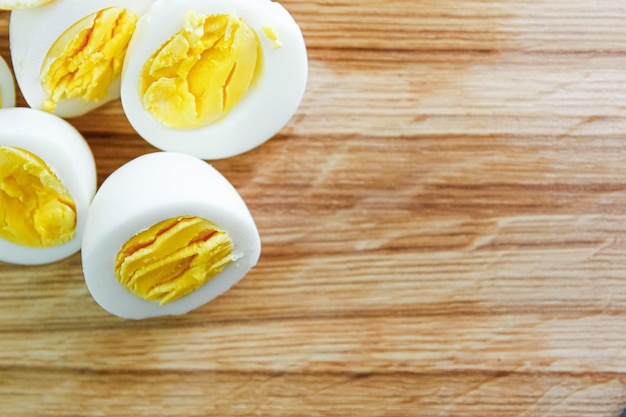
443 227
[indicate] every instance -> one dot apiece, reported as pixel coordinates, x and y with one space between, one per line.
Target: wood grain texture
443 229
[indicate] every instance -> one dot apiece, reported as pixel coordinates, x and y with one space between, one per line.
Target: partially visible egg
7 85
47 181
21 4
213 78
68 55
165 234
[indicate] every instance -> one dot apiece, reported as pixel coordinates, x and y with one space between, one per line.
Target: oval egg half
213 78
68 55
165 234
47 181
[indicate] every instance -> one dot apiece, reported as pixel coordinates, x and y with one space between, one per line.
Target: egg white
145 191
33 31
262 112
7 85
21 4
68 155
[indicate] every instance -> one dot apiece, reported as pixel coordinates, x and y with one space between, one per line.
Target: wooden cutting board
443 226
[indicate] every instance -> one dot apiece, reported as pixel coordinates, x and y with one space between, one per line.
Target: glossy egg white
7 85
262 112
33 31
145 191
68 155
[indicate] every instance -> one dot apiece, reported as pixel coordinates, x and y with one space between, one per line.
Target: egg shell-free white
68 155
262 112
145 191
32 32
7 84
20 4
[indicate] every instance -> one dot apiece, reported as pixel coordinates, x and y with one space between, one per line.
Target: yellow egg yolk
271 34
36 209
173 258
84 61
201 72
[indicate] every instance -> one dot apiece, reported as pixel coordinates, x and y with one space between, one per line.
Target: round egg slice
165 234
47 181
68 55
7 85
213 78
21 4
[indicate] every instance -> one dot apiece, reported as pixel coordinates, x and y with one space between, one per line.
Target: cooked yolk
271 34
84 61
0 97
201 72
36 209
173 258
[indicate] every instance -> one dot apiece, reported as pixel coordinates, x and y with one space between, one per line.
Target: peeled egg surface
166 233
21 4
47 181
68 54
213 78
7 85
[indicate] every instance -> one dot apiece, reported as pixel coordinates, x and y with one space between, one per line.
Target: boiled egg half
47 181
7 85
213 78
68 54
165 234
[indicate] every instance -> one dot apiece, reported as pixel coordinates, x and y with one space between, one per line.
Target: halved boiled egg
213 78
7 85
47 181
68 55
21 4
165 234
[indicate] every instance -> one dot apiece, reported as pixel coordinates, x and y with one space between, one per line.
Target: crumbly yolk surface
36 209
201 72
173 258
84 61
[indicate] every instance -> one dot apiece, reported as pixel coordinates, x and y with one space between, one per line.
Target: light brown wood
443 226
